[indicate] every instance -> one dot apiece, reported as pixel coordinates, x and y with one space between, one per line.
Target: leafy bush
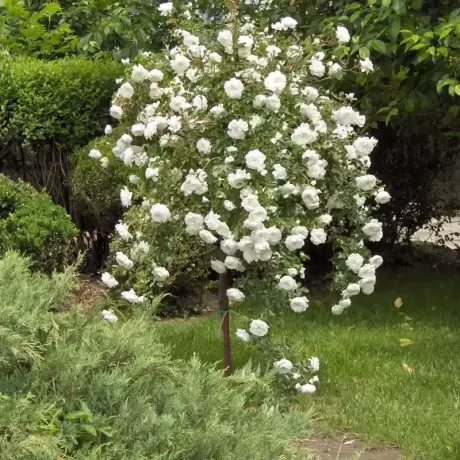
32 224
122 396
48 109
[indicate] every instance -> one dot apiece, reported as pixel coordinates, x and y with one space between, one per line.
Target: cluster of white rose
232 141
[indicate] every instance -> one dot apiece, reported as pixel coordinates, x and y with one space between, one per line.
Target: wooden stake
224 284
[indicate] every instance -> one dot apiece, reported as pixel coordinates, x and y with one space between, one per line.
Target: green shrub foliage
78 387
49 108
32 224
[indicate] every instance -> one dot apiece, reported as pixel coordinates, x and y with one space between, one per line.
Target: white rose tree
232 140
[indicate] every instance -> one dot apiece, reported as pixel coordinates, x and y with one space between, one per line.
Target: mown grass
369 384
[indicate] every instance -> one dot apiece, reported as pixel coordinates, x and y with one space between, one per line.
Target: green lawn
364 387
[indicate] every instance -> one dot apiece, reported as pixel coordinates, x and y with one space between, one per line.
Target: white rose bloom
317 68
215 57
234 88
318 236
116 112
345 303
160 213
255 159
373 230
366 66
275 82
292 272
139 73
367 285
218 266
324 219
200 102
314 364
303 135
376 261
138 129
279 172
308 388
235 295
310 197
294 242
287 283
259 101
104 162
335 70
229 246
155 76
109 316
207 237
353 289
310 93
354 262
363 146
180 64
283 366
123 260
367 271
109 280
152 173
212 220
342 34
242 335
347 116
233 263
228 205
337 310
366 183
225 38
160 273
130 296
125 197
382 197
126 91
300 230
204 146
299 304
179 104
194 223
218 111
237 129
165 9
238 179
274 235
123 231
95 154
108 130
273 103
258 328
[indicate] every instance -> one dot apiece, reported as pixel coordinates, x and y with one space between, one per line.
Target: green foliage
39 31
39 100
122 396
47 109
96 190
33 225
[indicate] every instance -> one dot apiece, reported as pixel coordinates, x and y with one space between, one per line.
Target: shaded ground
345 449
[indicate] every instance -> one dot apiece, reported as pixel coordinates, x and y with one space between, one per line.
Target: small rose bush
232 141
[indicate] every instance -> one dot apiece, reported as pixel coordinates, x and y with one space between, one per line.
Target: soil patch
347 448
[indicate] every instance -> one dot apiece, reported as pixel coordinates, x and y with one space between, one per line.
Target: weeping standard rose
271 159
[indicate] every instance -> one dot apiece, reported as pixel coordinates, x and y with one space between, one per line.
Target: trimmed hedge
47 110
33 225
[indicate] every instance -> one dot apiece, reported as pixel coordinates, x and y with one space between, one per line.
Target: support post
224 284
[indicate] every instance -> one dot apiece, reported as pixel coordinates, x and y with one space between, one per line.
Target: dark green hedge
65 101
47 110
32 224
